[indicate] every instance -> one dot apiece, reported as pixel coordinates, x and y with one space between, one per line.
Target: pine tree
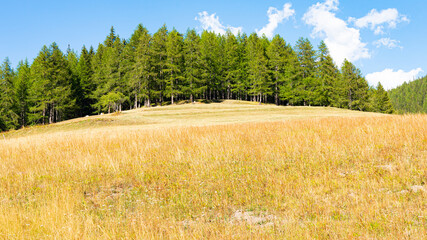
76 88
127 65
258 71
355 87
278 64
410 97
174 64
193 86
209 57
327 74
231 62
85 75
8 117
51 91
241 86
382 102
140 79
22 85
307 88
159 56
108 75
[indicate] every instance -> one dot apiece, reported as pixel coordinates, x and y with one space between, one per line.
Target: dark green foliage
51 93
282 63
258 71
174 65
8 117
87 86
159 56
381 101
193 82
210 64
327 75
307 86
410 97
137 65
107 73
22 85
241 86
355 88
230 63
146 69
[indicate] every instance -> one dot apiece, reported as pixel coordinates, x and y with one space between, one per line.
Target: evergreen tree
85 75
355 87
127 65
382 102
288 89
108 75
258 71
241 86
307 88
111 101
193 86
410 97
277 53
159 56
51 91
76 88
22 85
174 64
209 57
8 117
140 80
231 62
327 74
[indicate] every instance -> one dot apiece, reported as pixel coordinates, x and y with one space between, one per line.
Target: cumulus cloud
342 40
212 23
388 43
391 79
377 21
274 18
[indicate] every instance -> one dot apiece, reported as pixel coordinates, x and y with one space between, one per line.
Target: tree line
168 66
410 97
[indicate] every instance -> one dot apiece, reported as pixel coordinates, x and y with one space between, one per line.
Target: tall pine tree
8 117
174 65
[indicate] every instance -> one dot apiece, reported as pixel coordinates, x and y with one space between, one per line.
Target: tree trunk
51 113
136 100
44 114
276 95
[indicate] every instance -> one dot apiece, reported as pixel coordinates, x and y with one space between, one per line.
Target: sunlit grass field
231 170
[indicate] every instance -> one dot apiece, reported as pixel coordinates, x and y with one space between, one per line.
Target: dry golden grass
335 177
229 111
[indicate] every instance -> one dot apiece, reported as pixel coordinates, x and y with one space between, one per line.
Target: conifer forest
169 67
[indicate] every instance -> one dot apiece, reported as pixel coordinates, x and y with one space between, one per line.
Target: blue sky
384 38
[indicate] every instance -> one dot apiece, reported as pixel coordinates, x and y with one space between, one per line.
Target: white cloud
387 42
377 21
342 41
391 79
274 18
212 23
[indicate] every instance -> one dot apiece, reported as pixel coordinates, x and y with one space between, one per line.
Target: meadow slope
217 171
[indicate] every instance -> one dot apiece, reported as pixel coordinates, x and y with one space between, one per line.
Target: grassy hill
217 171
198 114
